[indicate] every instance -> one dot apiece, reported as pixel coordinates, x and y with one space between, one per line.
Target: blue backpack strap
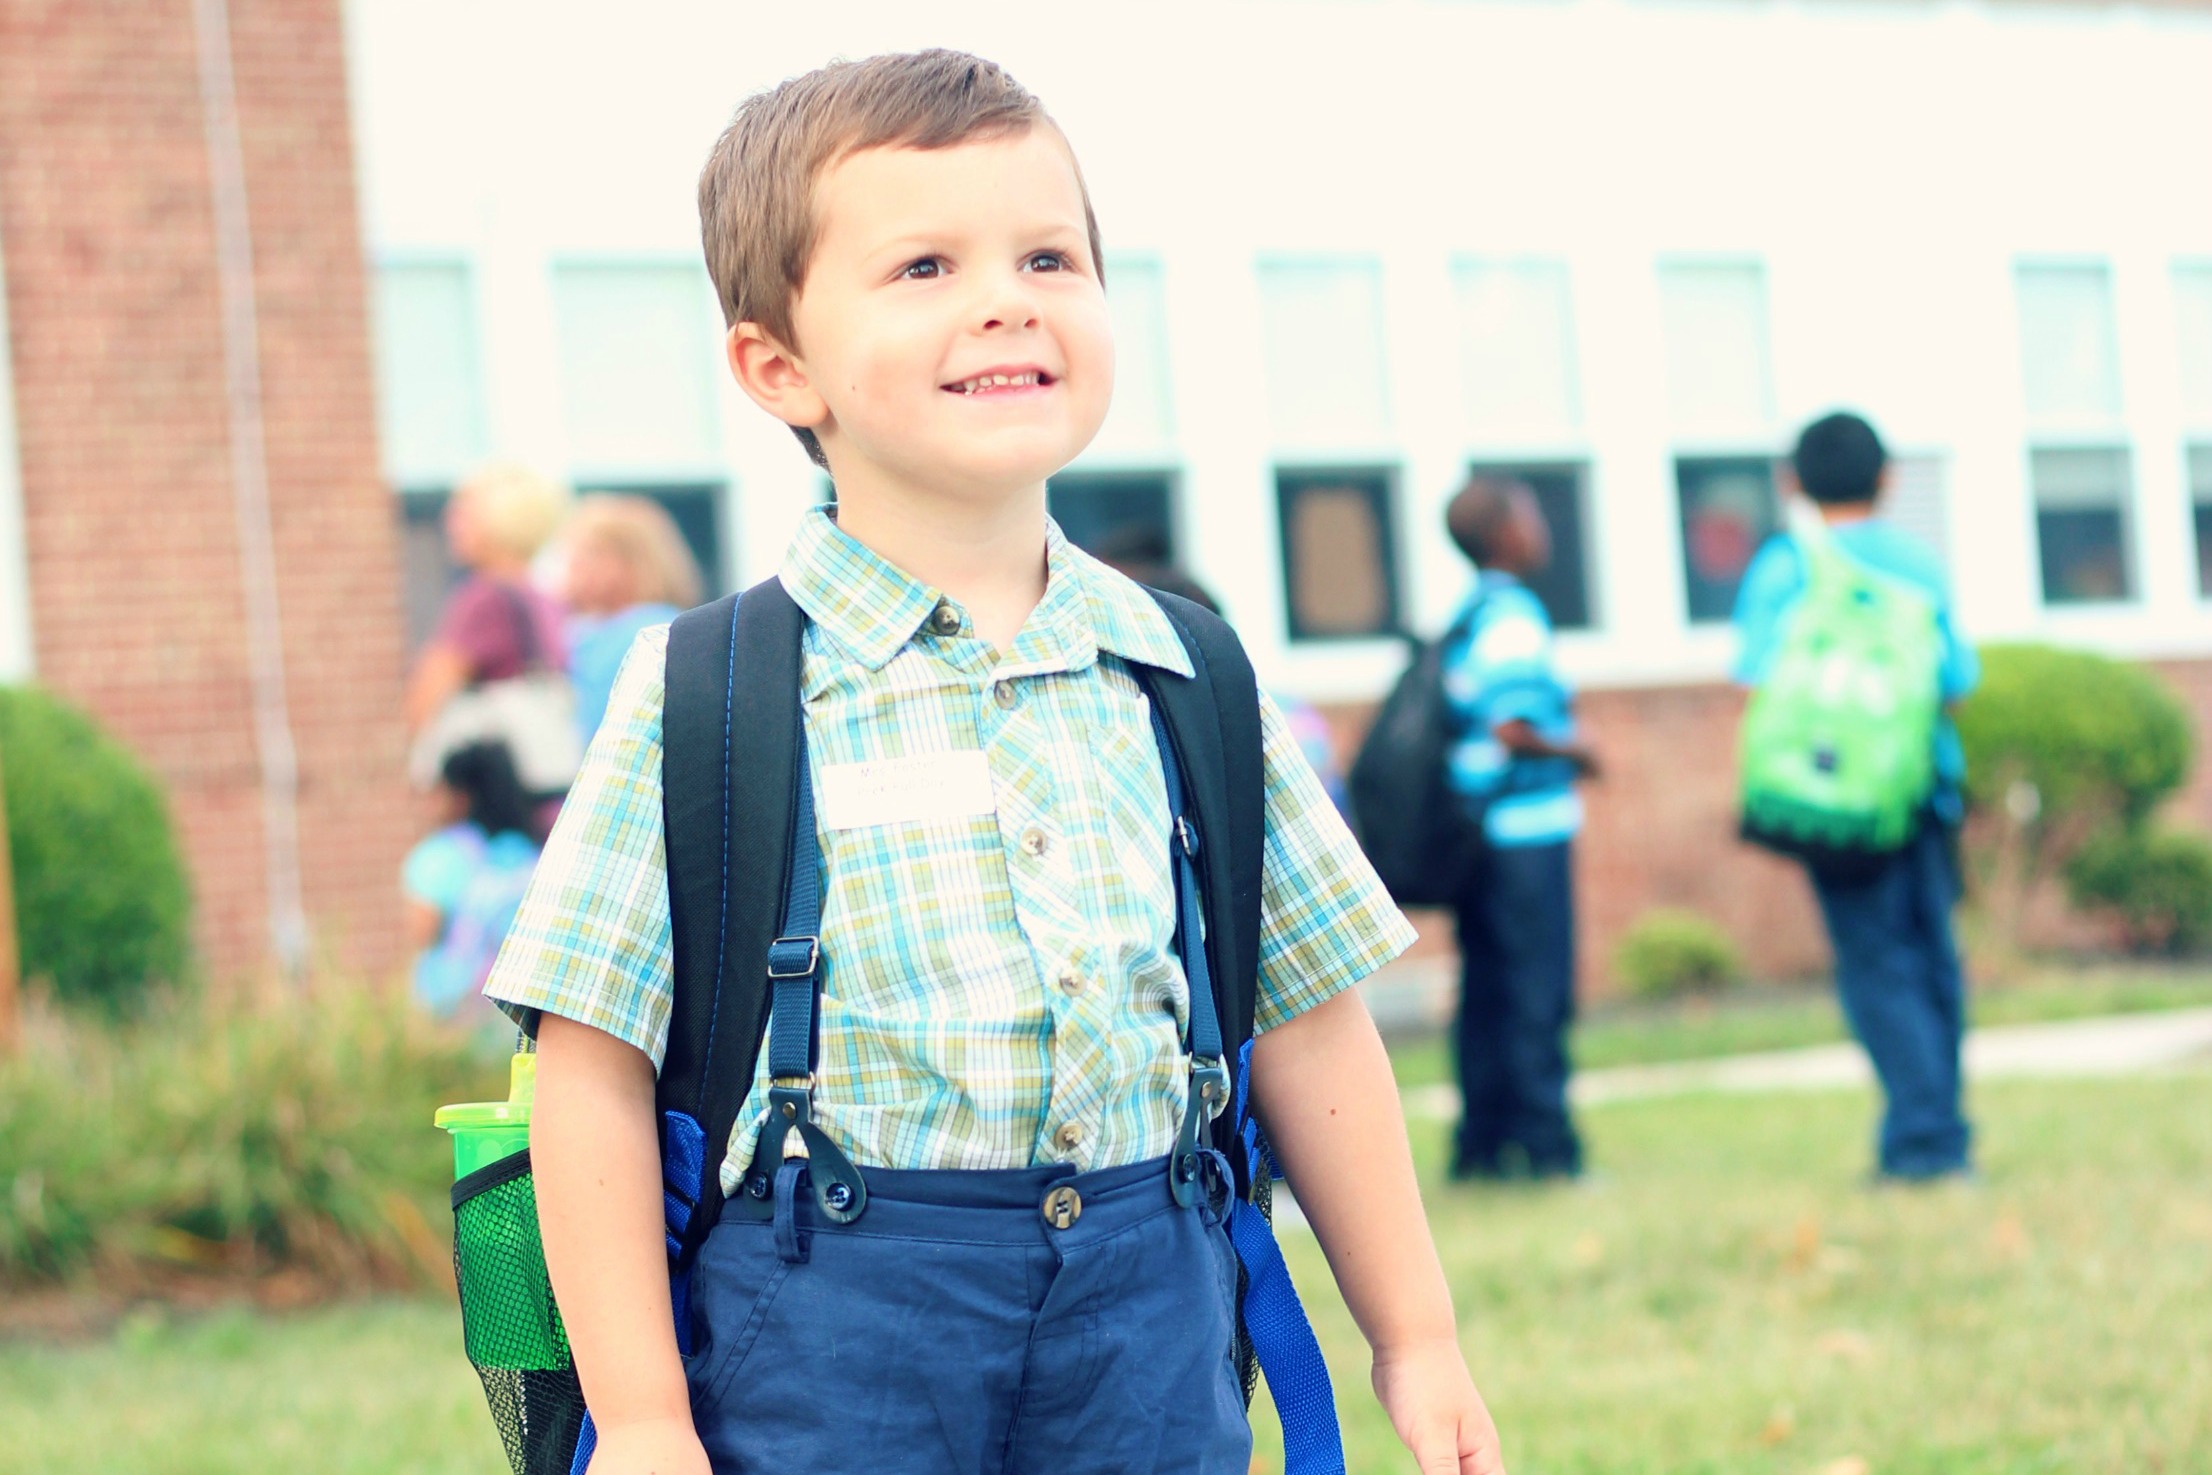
1208 728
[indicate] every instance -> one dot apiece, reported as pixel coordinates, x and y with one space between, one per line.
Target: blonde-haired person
625 567
495 624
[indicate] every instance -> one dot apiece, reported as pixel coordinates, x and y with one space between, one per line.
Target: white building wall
1886 166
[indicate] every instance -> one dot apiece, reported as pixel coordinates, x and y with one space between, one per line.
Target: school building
1356 248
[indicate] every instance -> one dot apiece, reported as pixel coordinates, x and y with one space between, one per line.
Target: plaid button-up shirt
999 989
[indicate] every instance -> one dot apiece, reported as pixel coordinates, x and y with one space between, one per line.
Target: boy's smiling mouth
1001 381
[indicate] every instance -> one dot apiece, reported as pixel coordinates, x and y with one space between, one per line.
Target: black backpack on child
1415 829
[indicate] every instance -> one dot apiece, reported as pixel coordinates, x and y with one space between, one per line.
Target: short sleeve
435 871
592 941
1325 920
1511 661
1962 664
1773 580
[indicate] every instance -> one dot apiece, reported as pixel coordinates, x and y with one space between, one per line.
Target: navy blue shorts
971 1323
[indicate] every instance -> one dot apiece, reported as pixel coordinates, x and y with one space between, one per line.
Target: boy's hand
650 1447
1433 1404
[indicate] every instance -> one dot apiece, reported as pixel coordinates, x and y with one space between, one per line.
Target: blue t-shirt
1498 669
596 646
1777 576
477 881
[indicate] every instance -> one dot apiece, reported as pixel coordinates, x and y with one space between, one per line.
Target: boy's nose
1009 305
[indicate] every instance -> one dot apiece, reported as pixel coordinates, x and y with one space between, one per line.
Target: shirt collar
873 608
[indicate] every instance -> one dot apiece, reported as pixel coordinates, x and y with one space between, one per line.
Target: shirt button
1069 1137
945 619
1034 842
1070 981
1004 694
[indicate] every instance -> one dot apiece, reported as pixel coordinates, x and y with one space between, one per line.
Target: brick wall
125 444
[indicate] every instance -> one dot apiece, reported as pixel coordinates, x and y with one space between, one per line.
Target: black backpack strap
1214 719
729 737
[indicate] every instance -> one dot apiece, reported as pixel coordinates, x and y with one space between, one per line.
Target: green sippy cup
484 1132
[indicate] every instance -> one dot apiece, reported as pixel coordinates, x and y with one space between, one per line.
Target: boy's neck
987 556
1838 514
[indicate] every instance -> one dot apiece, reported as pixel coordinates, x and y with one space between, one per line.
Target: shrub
2156 883
101 905
2096 739
232 1138
1669 953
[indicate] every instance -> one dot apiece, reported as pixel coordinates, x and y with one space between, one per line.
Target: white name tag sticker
916 789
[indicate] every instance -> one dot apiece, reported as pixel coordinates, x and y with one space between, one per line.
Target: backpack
1837 758
743 896
1416 829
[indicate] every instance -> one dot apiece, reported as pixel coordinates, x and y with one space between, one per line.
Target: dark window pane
1340 575
2200 496
2081 497
1122 517
1728 510
1564 586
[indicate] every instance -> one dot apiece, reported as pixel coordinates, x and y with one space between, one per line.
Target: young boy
1514 766
907 259
1897 971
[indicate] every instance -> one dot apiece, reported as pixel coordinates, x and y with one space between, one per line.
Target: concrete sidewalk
2121 1044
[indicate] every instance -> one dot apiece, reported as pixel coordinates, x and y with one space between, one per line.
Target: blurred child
626 567
463 882
1888 917
1514 766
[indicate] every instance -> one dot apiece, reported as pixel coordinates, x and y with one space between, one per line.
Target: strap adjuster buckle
1210 1086
1186 835
784 955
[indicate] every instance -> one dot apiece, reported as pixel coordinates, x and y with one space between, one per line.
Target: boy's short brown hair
756 194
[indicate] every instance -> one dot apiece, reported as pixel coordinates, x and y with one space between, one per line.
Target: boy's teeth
994 381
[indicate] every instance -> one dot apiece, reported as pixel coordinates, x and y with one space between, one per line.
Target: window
637 365
431 421
1720 407
1327 388
638 359
1339 552
1728 510
2078 463
1141 424
2069 355
1516 351
1919 501
429 381
1714 322
2081 524
1119 516
1564 586
2200 498
2193 311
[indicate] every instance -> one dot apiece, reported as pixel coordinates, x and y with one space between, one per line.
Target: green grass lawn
1727 1300
1785 1018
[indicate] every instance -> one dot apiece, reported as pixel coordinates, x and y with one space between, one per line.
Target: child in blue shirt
1514 764
1897 967
906 256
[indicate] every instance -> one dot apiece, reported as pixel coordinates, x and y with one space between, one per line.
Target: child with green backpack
1850 763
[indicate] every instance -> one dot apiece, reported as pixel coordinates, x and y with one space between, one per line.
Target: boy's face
952 329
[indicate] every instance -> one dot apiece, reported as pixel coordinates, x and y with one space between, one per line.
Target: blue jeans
1516 1000
973 1323
1897 974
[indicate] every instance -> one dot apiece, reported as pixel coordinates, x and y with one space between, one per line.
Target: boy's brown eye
921 270
1048 261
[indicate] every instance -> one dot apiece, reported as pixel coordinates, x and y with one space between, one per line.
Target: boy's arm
595 1154
1322 1087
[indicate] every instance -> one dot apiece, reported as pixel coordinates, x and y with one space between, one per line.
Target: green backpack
1838 750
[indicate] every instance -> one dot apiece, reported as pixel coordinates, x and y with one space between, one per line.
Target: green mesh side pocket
509 1323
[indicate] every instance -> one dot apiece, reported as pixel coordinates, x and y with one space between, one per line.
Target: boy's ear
772 377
